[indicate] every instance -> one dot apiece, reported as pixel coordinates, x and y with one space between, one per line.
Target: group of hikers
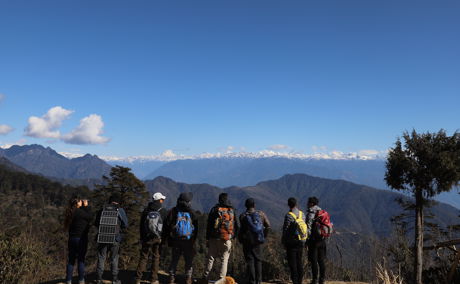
178 227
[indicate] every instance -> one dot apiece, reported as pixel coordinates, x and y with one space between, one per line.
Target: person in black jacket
77 221
151 242
180 231
222 227
252 248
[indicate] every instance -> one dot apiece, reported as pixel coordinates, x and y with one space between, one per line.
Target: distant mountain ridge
47 162
353 207
225 172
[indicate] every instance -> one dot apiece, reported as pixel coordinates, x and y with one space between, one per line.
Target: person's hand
85 202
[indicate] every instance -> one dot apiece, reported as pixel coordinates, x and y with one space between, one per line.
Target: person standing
222 227
316 244
114 248
150 236
180 230
77 220
293 239
255 227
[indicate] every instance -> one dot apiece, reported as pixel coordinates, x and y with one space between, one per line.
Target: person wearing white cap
150 235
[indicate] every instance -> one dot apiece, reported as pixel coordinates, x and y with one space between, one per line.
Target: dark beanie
115 197
250 203
185 196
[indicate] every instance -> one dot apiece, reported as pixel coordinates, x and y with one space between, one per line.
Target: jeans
102 251
77 251
317 257
218 249
253 257
184 248
294 258
152 246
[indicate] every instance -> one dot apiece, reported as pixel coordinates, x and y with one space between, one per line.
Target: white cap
158 196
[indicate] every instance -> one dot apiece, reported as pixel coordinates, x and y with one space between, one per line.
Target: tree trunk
418 236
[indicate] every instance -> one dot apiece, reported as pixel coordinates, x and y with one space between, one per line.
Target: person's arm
98 218
242 228
309 220
210 223
195 226
237 224
142 231
286 225
267 225
123 218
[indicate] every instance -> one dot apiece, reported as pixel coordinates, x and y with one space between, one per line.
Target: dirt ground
128 277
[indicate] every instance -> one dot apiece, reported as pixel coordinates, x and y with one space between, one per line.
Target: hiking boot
188 280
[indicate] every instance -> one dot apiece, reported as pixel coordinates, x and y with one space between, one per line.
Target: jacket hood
154 205
183 205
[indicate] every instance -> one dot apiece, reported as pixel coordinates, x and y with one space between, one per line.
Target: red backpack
322 227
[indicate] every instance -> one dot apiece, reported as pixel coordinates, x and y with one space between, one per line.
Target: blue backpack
184 228
256 228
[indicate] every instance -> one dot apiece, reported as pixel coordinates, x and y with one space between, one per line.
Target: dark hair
223 197
115 197
292 202
250 203
313 200
70 210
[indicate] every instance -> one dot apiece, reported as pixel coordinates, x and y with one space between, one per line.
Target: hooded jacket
183 205
211 232
152 206
311 214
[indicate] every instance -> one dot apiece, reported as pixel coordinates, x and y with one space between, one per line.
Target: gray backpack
154 224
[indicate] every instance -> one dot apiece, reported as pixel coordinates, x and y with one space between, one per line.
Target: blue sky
200 76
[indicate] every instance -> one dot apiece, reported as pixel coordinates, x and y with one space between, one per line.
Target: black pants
317 257
294 258
253 257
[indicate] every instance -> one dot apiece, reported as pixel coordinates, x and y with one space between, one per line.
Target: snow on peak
169 155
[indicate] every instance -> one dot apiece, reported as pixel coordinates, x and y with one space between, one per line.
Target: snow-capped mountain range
169 156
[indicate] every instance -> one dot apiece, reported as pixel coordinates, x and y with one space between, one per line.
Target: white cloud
88 132
5 129
47 125
278 147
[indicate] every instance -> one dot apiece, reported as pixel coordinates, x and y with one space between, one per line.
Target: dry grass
386 277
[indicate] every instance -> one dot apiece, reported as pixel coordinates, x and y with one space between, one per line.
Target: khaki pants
218 249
